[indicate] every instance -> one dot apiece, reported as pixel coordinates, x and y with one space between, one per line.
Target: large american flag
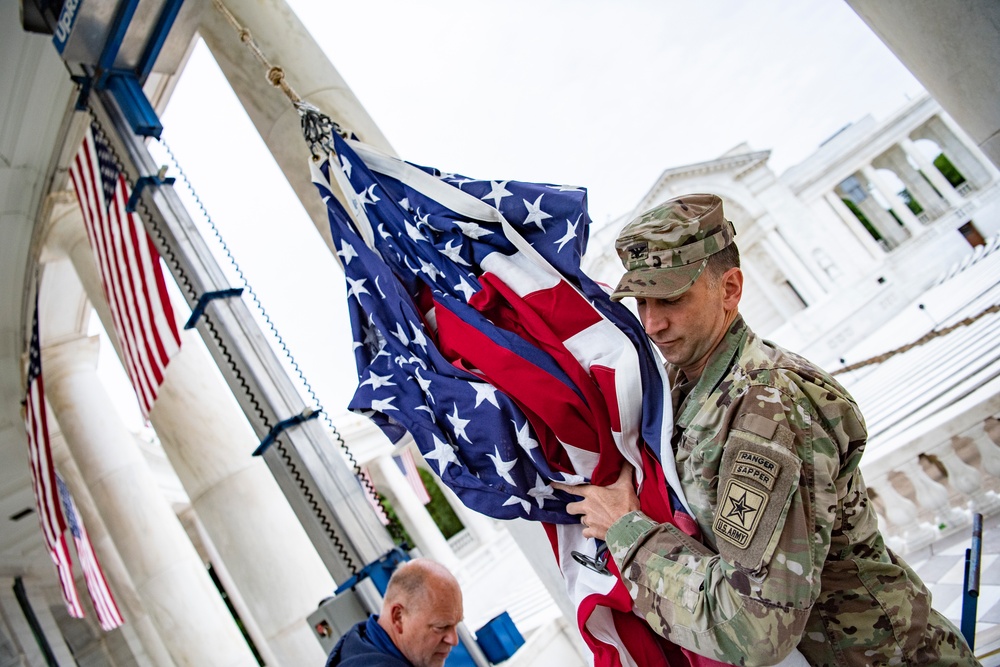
477 333
108 614
129 265
43 475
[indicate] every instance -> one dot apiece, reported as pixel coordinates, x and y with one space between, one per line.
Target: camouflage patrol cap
665 249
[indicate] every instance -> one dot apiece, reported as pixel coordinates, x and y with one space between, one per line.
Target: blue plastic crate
499 638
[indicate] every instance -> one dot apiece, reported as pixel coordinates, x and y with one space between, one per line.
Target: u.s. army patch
739 512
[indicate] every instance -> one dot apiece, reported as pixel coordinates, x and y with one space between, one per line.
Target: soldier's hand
602 505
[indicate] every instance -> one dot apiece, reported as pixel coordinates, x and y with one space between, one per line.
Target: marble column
892 233
895 160
168 575
854 225
418 522
955 149
151 649
932 173
209 443
896 203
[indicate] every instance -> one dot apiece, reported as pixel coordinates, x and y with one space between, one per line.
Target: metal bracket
276 430
157 179
599 563
203 300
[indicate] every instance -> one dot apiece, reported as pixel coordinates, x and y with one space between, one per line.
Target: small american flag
129 265
43 475
100 593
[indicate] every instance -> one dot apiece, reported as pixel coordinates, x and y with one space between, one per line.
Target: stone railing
928 489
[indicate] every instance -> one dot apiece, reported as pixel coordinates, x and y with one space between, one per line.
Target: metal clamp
599 563
157 179
203 300
276 430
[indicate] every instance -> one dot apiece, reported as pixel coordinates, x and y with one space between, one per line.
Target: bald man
417 626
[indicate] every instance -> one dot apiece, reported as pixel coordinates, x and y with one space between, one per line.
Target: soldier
767 448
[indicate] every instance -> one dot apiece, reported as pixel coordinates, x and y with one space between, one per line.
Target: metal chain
923 340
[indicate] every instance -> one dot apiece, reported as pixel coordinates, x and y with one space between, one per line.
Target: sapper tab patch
757 467
739 513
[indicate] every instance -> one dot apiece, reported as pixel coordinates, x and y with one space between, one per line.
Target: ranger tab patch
757 467
739 513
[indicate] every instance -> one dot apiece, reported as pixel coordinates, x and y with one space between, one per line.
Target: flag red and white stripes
108 614
129 265
43 476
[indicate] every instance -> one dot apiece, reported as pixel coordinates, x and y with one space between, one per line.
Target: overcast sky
598 94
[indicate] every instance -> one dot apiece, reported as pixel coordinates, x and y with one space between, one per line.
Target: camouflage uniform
767 447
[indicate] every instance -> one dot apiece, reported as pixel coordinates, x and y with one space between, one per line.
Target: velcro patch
756 481
740 510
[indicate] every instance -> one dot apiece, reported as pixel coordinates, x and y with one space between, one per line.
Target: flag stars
368 197
442 453
345 166
524 439
378 381
485 392
541 491
458 424
400 333
535 213
357 288
570 234
514 500
472 230
432 271
347 252
465 288
452 250
502 467
498 190
384 404
418 336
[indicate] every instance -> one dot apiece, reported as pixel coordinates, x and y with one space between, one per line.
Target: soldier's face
687 328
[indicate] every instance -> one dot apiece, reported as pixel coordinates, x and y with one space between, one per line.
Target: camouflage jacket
767 448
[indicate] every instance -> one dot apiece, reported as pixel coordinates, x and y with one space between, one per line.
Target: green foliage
948 170
861 217
442 513
396 530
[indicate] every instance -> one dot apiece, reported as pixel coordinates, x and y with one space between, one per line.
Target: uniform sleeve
776 502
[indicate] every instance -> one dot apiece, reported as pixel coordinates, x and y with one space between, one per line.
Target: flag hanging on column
108 614
477 333
129 265
43 474
408 466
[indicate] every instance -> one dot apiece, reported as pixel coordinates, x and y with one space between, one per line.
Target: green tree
948 170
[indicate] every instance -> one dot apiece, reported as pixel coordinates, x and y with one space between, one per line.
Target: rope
926 338
275 74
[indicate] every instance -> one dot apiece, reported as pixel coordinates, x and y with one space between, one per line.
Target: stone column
151 649
412 513
854 225
884 223
169 577
209 443
287 43
932 173
965 478
902 514
955 150
790 261
895 160
896 203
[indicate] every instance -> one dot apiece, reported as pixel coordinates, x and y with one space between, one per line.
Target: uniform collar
717 368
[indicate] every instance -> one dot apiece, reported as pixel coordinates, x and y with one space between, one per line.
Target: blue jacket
366 645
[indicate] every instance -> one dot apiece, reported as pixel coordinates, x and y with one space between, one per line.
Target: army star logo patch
739 513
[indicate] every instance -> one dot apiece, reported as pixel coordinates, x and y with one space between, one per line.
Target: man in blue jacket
417 626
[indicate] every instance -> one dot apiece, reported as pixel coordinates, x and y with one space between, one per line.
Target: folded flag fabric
477 333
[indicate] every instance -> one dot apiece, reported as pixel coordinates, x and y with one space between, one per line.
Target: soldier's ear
732 286
396 612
